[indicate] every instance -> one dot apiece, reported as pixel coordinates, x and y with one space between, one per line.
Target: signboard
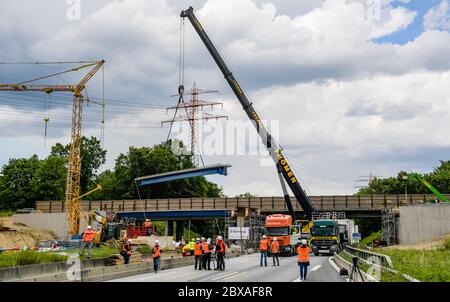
238 233
357 237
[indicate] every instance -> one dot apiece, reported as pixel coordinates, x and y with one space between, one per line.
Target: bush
369 239
8 259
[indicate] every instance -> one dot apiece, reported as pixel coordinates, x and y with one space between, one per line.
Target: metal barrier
368 256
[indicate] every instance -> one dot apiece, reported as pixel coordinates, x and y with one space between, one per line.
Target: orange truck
287 234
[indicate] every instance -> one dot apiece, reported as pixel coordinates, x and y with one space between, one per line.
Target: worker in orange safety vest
275 251
263 248
220 253
148 227
206 257
198 254
303 252
88 240
156 254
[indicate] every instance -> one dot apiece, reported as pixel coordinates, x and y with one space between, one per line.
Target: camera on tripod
355 261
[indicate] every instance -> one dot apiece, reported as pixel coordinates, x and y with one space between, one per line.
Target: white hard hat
129 241
203 239
304 241
89 227
156 241
198 239
208 240
274 238
146 219
264 236
219 237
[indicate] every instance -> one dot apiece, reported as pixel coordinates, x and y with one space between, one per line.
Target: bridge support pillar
168 228
179 230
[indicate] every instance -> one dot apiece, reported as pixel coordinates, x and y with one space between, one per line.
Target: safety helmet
193 239
304 241
129 241
274 238
89 227
264 236
198 239
219 237
156 241
203 239
146 220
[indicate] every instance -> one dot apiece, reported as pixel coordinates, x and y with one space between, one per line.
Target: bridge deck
266 204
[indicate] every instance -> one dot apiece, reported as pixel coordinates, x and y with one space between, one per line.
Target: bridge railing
326 203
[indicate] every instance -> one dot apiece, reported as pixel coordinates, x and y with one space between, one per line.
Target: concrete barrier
423 222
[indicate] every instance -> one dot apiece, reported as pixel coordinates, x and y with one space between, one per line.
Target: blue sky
416 28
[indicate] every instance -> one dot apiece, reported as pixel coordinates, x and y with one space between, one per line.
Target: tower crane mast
72 196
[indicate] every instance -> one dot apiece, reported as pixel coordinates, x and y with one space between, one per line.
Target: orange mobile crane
72 196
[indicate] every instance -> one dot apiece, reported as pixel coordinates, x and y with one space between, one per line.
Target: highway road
246 268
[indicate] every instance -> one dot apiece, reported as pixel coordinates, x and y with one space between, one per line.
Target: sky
350 88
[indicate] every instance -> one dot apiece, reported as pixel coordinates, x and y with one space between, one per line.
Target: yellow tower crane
72 197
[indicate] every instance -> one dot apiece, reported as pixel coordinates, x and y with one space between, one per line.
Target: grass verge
8 259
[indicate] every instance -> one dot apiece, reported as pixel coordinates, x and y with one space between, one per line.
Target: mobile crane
285 172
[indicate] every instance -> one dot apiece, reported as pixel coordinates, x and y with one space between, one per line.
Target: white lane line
234 276
315 268
156 275
178 276
334 265
223 276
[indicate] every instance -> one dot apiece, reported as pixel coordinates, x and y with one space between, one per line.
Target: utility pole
405 178
192 109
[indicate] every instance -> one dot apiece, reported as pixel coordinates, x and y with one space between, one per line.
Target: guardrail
326 203
380 259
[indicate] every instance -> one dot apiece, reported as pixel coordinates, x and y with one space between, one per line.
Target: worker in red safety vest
303 252
88 240
263 248
275 251
220 253
198 254
156 254
206 257
126 251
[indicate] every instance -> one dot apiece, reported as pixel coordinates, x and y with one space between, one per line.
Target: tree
49 182
92 157
439 178
15 188
143 161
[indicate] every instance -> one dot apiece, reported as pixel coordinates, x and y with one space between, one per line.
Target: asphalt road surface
246 269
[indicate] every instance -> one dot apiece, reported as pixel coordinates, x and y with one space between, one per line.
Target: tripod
355 270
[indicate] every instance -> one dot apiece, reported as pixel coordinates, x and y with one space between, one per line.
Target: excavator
284 169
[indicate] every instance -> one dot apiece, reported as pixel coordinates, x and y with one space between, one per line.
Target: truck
280 226
329 236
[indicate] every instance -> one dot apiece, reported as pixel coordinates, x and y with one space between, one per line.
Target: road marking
315 268
334 265
155 275
190 273
223 276
234 276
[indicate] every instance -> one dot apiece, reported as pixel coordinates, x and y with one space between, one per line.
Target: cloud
438 17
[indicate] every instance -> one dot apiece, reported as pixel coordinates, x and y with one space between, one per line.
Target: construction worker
198 254
275 251
263 248
206 254
126 251
148 227
156 254
303 258
220 253
191 246
88 240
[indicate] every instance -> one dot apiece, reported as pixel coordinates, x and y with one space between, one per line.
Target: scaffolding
390 226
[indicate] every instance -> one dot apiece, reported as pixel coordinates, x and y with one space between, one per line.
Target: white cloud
438 17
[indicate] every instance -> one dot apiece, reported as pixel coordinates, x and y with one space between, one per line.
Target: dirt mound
16 235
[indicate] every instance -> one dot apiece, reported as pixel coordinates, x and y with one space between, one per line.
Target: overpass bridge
206 208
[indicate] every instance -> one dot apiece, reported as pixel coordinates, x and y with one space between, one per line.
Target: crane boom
275 151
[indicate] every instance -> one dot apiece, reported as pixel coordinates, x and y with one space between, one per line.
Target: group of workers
126 251
273 247
204 248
